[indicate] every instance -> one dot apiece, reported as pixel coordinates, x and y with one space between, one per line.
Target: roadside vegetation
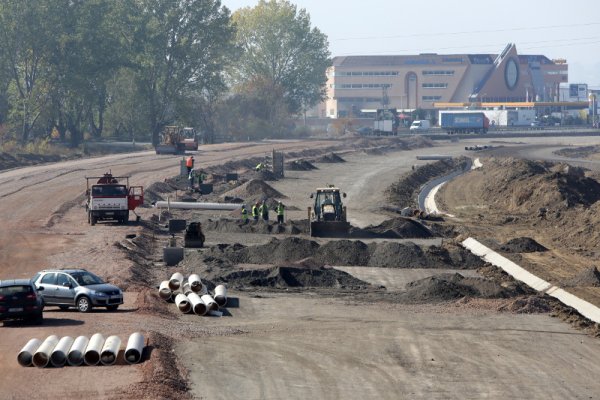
71 72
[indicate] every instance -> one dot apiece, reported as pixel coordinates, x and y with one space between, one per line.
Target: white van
420 126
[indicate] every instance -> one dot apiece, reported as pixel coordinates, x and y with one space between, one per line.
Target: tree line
127 68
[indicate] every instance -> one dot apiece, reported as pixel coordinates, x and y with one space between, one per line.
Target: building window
431 98
364 85
367 73
434 85
438 72
452 59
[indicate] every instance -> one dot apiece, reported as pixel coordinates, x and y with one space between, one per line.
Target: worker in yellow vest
244 214
280 209
255 212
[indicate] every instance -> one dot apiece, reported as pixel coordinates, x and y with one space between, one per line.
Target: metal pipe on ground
91 356
195 283
183 303
164 291
221 295
211 304
75 355
175 281
197 206
110 350
58 358
25 356
135 346
41 357
198 305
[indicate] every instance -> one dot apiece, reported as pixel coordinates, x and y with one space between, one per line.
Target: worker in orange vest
189 163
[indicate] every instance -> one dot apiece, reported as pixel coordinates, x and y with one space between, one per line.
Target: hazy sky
554 28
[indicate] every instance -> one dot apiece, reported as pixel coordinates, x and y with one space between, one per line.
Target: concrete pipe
211 304
221 295
198 305
174 295
164 291
175 281
197 206
25 357
58 358
41 357
110 350
134 349
91 356
75 356
195 283
186 289
183 303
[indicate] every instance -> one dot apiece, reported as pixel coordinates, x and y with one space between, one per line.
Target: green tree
280 47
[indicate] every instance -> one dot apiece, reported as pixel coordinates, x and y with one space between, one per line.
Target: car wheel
63 308
112 308
84 304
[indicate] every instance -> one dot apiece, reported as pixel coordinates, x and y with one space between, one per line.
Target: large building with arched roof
419 81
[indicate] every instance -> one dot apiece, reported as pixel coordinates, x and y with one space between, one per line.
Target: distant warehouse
419 81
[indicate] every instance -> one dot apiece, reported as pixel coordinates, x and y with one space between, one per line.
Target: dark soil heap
300 165
330 158
395 228
590 277
522 245
578 152
255 191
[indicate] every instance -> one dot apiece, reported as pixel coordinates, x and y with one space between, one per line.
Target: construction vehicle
194 238
107 199
171 141
328 215
190 138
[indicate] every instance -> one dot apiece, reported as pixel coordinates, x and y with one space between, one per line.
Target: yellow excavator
328 215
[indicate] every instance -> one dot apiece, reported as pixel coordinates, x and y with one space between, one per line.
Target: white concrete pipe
186 289
164 291
58 358
198 305
75 356
41 357
221 295
175 281
134 349
201 206
211 304
195 283
174 295
110 350
25 357
183 303
91 356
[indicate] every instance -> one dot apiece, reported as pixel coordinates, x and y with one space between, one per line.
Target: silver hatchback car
76 288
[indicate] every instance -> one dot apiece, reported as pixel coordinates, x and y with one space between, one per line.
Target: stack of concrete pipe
192 295
81 350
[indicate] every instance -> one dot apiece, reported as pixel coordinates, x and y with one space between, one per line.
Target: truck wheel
89 217
113 307
93 220
84 304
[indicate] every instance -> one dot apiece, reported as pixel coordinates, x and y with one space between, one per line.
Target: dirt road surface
274 344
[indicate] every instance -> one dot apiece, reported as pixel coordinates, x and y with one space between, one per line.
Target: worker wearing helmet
244 214
280 209
255 212
189 163
263 210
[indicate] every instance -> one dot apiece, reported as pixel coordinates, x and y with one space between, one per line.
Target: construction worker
201 177
264 211
255 212
244 214
280 210
189 163
191 176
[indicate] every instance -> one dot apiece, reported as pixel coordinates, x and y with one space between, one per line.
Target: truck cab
107 199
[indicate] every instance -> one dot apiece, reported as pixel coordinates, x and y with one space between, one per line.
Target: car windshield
86 278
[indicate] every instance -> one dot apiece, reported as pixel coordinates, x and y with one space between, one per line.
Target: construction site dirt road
362 339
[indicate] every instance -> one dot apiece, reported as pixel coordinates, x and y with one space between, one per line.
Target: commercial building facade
357 83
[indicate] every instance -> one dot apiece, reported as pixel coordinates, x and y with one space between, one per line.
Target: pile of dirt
330 158
528 305
255 191
348 252
393 228
237 226
590 277
293 276
300 165
16 160
404 192
156 191
578 152
453 286
522 245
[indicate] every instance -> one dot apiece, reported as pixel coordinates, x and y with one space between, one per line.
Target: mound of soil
588 277
343 252
522 245
293 276
528 305
578 152
156 192
8 161
330 158
255 191
394 228
300 165
453 286
237 226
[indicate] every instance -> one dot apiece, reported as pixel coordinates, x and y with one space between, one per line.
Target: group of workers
261 210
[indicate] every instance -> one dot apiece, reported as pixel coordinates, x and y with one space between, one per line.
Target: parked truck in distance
176 140
386 122
421 125
464 122
108 199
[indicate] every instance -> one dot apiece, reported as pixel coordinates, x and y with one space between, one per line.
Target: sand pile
590 277
522 245
300 165
330 158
